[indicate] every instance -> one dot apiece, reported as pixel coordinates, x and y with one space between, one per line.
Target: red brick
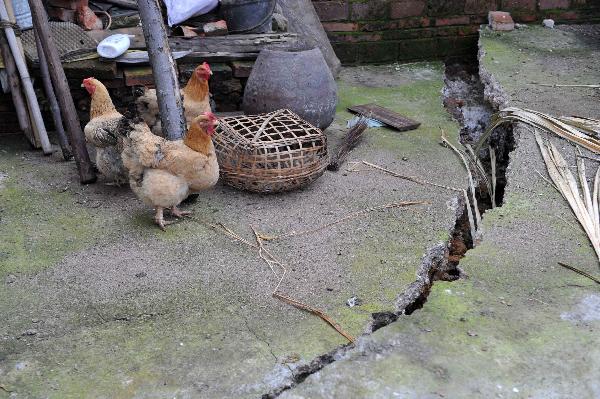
468 30
340 26
242 69
550 4
406 8
500 20
61 14
526 18
217 28
410 23
478 20
87 19
509 5
374 26
332 10
567 16
373 9
461 20
480 6
139 76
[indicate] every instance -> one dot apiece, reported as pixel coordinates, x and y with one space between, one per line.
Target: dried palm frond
463 157
351 139
587 125
562 128
493 167
584 205
478 167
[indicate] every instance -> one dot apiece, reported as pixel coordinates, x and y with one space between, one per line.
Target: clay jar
297 80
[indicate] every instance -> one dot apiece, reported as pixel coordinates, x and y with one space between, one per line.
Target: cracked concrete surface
519 325
97 302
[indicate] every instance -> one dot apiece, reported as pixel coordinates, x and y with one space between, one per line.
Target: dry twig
425 182
471 181
351 216
351 139
594 279
272 262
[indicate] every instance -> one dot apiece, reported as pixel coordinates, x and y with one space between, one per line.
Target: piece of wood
61 86
220 56
52 101
31 114
32 102
238 43
170 103
15 91
303 20
137 42
142 57
387 116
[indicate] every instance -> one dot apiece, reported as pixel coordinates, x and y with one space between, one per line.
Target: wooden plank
237 43
220 56
61 87
387 116
137 42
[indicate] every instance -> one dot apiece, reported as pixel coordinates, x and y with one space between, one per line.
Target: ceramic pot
248 16
297 80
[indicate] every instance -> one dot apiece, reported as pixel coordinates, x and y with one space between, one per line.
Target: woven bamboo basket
269 153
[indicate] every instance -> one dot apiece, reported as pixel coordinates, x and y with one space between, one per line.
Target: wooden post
65 100
170 103
54 108
34 107
15 90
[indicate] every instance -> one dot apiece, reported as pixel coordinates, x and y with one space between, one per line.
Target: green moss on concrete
38 229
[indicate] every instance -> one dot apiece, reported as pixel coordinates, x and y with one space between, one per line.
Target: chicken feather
196 100
161 172
99 131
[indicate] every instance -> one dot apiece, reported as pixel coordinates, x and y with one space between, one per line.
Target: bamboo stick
12 19
65 100
34 107
54 108
168 95
15 91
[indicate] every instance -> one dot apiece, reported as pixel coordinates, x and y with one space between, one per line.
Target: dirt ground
98 302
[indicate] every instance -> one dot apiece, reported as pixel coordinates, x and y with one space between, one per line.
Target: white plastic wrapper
181 10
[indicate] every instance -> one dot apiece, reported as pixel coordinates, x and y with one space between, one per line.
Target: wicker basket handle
264 124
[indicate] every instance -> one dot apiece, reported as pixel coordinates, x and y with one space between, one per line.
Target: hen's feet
179 213
159 219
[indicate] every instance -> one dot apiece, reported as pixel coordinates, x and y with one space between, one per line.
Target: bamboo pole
34 107
170 104
65 100
30 114
50 95
15 91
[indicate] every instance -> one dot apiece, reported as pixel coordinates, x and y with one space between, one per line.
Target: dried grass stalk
584 205
493 167
351 140
565 128
471 180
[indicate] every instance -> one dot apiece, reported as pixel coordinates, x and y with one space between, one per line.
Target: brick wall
377 31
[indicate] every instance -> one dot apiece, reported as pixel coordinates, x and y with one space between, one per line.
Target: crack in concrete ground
464 99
